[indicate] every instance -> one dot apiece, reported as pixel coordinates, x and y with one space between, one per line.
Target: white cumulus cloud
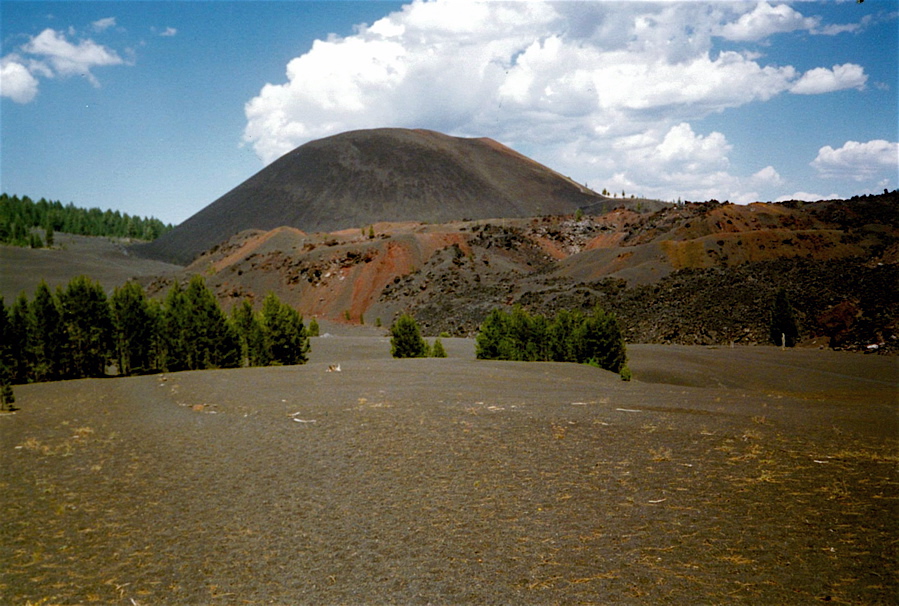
765 20
16 82
604 91
858 161
693 151
823 80
103 24
51 54
767 176
68 59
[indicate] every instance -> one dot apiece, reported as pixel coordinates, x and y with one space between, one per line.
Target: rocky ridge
698 273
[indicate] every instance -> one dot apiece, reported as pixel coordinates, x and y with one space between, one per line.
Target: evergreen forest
569 336
21 218
79 332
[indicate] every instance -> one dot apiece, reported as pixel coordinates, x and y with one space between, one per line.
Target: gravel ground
718 476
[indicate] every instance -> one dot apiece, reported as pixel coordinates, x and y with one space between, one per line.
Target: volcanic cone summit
363 177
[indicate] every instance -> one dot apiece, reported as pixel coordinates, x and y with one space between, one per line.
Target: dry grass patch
660 454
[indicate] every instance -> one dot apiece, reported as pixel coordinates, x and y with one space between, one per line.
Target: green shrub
405 339
626 373
437 350
313 329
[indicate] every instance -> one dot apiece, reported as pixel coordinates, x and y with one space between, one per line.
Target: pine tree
211 341
174 325
493 342
21 334
285 335
783 328
437 350
521 335
598 341
539 347
314 329
7 398
252 339
49 338
5 336
406 341
135 333
568 337
87 321
561 336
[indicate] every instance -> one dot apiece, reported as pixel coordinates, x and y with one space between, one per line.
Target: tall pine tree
21 333
174 330
783 328
6 361
212 341
135 333
49 338
285 336
249 329
87 322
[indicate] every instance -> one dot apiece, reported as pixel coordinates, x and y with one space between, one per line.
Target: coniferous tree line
79 332
569 336
19 217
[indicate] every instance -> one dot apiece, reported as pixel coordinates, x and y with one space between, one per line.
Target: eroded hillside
695 273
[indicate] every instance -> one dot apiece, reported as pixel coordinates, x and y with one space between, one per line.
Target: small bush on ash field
437 350
406 340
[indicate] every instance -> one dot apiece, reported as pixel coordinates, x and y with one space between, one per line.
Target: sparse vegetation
594 339
437 350
406 340
313 330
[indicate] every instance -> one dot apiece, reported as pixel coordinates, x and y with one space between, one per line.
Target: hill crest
358 178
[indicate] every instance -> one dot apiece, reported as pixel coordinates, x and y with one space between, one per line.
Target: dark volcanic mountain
363 177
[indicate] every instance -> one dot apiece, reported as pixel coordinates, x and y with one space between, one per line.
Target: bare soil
107 260
746 475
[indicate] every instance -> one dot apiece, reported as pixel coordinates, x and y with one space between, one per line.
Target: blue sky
158 108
